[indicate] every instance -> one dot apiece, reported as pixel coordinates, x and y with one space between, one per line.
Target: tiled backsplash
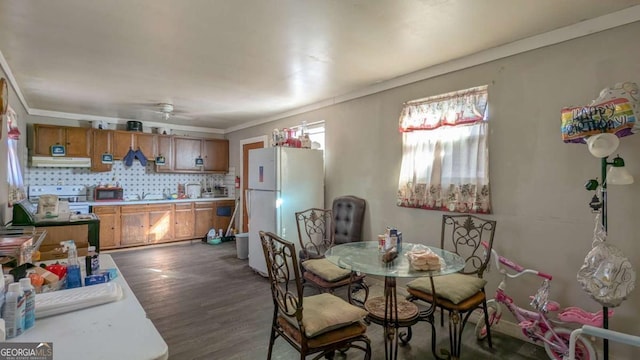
134 179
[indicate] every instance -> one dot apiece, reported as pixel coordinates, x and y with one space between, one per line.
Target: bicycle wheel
584 348
494 312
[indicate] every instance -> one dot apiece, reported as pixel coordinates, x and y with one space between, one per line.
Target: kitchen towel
140 156
128 159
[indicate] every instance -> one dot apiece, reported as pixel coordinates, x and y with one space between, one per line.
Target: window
14 172
445 156
315 131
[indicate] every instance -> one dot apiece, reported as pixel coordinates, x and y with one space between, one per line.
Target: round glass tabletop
365 257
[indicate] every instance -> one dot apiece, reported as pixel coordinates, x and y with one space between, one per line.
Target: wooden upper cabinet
185 152
101 143
216 155
164 147
122 143
45 136
76 140
147 144
180 152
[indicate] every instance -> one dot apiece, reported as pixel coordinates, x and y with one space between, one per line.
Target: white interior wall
539 202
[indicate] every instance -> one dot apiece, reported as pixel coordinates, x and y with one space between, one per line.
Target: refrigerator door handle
247 196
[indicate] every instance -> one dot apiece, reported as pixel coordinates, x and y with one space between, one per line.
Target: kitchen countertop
147 202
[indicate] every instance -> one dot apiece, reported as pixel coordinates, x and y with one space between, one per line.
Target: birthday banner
616 111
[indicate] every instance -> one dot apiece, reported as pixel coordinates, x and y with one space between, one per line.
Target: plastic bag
606 275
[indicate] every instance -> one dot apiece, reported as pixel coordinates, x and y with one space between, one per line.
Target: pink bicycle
536 325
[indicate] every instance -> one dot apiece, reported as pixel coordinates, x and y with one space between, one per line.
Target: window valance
455 108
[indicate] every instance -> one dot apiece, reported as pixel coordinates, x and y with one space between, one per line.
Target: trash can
242 245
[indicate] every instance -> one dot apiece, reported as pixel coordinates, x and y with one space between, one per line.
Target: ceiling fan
166 111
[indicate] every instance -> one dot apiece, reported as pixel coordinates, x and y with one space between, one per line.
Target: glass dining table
387 310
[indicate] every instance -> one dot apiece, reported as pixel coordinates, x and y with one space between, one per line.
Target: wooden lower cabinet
109 226
137 225
160 223
184 221
205 214
224 211
134 225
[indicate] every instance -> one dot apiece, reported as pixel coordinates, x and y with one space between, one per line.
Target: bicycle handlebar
512 265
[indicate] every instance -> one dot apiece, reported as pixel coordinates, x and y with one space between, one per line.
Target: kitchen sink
152 197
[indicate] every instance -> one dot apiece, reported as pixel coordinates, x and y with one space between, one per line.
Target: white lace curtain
445 157
14 171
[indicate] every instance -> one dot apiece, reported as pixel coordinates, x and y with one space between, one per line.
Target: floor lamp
602 146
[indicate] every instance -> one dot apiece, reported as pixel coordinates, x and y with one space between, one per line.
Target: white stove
76 195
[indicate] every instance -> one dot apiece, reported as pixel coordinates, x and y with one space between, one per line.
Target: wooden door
78 141
45 136
245 181
204 213
109 227
185 152
122 143
101 143
184 221
134 225
164 149
216 155
160 223
147 144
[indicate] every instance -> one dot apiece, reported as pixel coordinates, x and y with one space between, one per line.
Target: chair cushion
453 287
325 312
326 269
328 338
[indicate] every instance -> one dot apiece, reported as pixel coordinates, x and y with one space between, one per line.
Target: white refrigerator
282 181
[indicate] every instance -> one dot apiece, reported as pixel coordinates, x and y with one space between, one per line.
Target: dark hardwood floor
208 304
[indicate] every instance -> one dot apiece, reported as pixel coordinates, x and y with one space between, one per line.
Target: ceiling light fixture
165 110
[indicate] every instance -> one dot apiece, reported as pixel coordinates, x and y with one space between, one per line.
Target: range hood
59 161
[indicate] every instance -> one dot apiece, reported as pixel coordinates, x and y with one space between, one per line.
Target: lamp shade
602 145
618 173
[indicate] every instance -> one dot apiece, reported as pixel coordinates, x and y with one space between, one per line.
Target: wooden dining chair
316 236
460 293
318 324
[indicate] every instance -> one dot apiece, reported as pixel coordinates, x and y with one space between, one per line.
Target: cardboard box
51 280
55 252
79 233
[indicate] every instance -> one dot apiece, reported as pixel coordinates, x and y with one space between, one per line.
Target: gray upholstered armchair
348 218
